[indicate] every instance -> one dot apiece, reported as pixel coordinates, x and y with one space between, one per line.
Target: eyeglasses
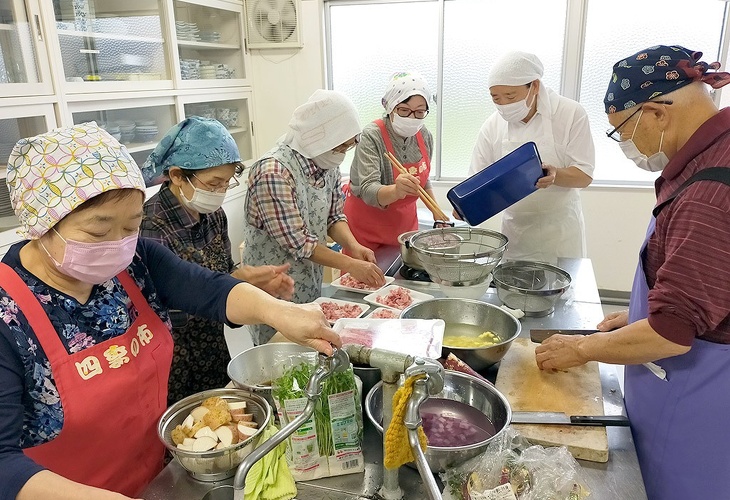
233 183
344 148
613 133
404 112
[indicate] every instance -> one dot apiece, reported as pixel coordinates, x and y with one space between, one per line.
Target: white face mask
653 163
406 127
203 202
516 111
329 160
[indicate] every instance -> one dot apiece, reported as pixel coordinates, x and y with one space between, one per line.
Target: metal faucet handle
326 366
433 370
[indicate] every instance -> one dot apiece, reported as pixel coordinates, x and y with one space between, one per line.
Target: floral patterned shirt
30 405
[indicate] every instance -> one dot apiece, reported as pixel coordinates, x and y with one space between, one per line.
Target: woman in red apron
85 346
380 203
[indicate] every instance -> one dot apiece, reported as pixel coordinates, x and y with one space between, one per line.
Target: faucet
392 365
326 366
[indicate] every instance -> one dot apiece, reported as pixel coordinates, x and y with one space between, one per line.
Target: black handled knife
556 417
538 335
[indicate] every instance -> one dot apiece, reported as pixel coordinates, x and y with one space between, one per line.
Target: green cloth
270 478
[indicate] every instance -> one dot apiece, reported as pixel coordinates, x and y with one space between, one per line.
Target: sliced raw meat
399 298
384 314
333 311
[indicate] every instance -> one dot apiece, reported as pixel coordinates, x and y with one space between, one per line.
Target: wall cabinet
136 67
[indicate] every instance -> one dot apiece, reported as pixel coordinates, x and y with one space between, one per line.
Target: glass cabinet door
17 122
232 110
21 48
137 123
107 41
210 43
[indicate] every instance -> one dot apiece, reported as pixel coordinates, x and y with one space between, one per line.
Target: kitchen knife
556 417
538 335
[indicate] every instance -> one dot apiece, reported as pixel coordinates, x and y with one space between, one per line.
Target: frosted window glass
368 45
475 35
619 28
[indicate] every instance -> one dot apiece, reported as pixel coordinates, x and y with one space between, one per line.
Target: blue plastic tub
503 183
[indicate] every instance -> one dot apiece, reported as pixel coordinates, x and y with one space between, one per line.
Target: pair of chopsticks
422 194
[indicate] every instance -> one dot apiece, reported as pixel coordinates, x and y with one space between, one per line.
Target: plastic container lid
503 183
417 337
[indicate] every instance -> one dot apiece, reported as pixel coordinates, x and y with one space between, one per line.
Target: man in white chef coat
548 223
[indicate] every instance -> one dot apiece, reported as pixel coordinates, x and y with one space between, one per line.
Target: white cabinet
17 121
136 67
23 60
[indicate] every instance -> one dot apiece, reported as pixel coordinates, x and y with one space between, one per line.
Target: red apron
112 395
373 226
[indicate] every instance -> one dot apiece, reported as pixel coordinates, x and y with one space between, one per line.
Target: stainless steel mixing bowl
254 368
482 316
480 395
213 465
533 287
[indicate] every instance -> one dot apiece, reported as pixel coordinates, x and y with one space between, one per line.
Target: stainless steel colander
533 287
460 256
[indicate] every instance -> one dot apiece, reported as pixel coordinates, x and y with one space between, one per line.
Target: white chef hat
402 86
325 121
515 68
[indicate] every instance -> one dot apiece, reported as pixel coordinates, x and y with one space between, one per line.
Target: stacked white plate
187 31
190 69
210 36
146 130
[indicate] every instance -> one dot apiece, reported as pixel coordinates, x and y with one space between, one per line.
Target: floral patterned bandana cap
402 86
193 144
51 174
656 71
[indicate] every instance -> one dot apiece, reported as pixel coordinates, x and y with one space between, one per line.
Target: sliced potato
245 432
189 421
204 443
178 435
206 431
237 405
213 402
199 412
248 424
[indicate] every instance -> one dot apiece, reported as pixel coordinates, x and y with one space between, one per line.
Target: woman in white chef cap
295 201
548 223
380 202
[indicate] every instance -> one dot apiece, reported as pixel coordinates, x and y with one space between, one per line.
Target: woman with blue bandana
548 223
85 344
675 337
200 160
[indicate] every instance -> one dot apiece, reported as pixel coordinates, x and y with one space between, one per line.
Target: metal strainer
460 256
533 287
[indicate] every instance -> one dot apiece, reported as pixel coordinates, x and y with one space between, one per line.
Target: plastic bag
330 442
511 468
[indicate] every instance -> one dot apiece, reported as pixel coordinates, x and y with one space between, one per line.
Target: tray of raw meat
396 297
383 313
335 309
347 282
417 337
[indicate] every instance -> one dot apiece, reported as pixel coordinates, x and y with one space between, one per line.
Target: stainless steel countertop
619 478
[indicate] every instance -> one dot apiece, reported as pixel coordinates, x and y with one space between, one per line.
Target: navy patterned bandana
193 144
656 71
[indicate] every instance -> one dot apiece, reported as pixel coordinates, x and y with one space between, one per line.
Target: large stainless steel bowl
254 368
464 388
213 465
470 317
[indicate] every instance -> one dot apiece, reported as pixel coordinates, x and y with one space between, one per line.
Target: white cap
515 68
325 121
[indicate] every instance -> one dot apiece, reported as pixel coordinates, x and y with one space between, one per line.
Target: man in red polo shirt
664 118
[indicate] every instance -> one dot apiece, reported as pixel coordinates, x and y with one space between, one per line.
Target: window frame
570 78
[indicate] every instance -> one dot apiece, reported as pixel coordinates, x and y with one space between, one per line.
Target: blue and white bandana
193 144
655 71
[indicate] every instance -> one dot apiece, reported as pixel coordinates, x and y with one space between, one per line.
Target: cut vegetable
245 432
237 405
225 436
199 412
189 422
206 431
204 443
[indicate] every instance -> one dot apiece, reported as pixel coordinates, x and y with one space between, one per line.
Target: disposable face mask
406 127
95 263
516 111
203 202
653 163
329 160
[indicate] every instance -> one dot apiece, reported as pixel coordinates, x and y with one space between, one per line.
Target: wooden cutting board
575 391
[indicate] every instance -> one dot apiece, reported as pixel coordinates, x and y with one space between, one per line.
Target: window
452 43
628 31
